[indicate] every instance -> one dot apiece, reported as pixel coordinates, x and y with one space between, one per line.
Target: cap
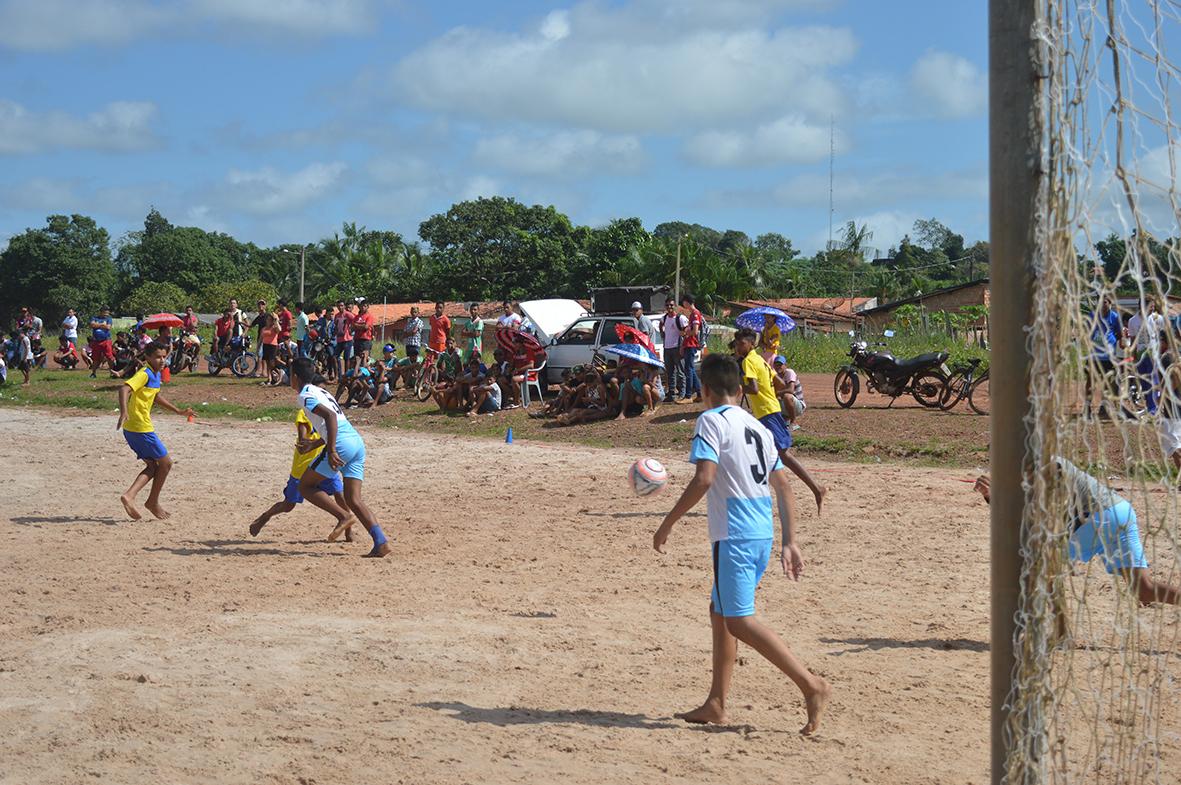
636 305
779 358
389 347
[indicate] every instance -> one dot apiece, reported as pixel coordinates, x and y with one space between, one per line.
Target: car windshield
581 333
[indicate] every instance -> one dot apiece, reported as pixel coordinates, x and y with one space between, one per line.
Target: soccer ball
648 476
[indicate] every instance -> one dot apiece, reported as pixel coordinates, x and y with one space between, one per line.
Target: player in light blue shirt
737 468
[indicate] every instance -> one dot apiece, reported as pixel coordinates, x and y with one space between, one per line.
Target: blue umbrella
633 351
753 319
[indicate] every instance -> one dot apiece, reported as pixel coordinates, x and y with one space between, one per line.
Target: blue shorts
331 486
344 350
738 567
147 446
1114 535
778 428
351 451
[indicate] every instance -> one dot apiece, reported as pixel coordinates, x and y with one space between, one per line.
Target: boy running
737 466
136 397
343 450
308 446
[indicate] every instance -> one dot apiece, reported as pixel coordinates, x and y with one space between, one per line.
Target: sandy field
524 630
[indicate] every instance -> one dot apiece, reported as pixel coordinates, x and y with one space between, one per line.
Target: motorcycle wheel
212 365
426 383
979 399
845 388
929 389
244 364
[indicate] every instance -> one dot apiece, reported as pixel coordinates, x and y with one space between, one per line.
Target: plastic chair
532 379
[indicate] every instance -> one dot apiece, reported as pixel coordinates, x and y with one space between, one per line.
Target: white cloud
564 153
50 25
949 85
619 70
121 125
479 186
268 191
790 139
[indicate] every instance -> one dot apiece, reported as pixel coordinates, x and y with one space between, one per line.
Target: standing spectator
1145 329
691 347
342 324
362 334
672 324
268 347
25 320
284 317
440 330
101 348
509 319
300 330
32 324
223 328
1107 330
259 321
473 332
644 324
412 334
24 354
70 326
237 320
189 322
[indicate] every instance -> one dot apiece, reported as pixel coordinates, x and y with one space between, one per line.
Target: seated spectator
67 354
792 395
450 361
592 403
487 396
472 374
568 389
640 392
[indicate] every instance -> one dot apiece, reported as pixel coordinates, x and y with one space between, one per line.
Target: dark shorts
344 349
269 350
360 346
778 428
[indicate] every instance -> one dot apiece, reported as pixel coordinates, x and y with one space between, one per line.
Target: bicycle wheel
958 385
244 364
426 383
845 388
929 389
980 398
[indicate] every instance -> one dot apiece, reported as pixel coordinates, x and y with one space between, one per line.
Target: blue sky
276 120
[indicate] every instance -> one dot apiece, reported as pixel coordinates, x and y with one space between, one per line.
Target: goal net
1096 695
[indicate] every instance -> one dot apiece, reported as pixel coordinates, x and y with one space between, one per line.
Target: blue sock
378 535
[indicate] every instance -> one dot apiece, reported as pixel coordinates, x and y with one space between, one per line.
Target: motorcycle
236 356
321 354
924 377
186 352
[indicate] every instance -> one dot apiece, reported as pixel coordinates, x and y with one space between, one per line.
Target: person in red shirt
440 330
691 347
362 334
189 321
343 323
284 316
222 328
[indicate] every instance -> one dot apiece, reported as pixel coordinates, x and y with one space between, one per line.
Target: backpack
703 331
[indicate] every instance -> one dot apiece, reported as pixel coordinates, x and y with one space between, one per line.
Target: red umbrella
512 340
158 320
640 337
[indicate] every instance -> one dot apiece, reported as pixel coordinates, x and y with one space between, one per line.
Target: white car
571 335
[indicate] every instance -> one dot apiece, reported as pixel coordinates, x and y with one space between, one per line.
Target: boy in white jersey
343 450
738 466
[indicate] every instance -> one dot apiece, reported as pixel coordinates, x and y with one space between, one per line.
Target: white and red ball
648 476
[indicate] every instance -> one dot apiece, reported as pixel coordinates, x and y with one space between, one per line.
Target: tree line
482 249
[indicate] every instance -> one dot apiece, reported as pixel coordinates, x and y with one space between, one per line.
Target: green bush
827 353
215 297
153 297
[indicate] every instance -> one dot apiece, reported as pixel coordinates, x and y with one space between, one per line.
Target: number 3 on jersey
757 470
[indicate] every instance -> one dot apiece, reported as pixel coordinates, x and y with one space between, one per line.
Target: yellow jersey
770 340
765 401
145 385
302 460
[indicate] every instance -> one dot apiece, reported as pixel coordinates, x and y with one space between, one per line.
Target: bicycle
964 383
428 375
236 356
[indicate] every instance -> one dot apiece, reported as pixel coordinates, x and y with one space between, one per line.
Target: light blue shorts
147 446
738 567
351 451
1114 535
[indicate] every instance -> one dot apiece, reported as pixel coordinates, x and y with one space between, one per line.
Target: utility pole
832 157
302 248
677 288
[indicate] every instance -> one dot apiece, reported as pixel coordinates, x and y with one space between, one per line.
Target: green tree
67 264
492 247
604 249
187 256
216 296
155 297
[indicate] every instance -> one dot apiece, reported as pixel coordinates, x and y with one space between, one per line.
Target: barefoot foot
340 528
710 712
256 527
816 703
158 511
129 507
820 493
348 534
378 551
